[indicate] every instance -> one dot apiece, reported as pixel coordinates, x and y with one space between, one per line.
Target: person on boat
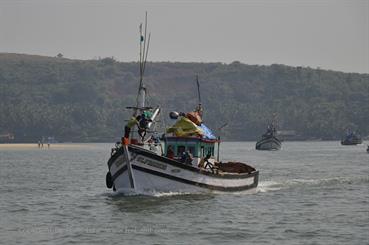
155 138
205 164
210 166
183 156
143 124
187 158
170 152
127 129
270 130
203 161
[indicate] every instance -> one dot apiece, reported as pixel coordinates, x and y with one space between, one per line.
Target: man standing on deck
127 129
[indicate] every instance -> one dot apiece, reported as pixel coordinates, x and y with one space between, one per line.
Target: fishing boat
351 138
181 160
269 140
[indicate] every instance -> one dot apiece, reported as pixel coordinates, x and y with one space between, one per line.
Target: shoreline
35 146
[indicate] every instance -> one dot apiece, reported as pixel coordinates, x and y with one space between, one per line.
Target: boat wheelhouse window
209 151
180 150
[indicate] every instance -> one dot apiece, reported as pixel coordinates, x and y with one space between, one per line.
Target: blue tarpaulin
208 134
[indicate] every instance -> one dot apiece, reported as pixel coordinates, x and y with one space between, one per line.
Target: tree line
86 100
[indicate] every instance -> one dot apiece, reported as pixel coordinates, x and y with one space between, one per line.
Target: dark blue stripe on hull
177 164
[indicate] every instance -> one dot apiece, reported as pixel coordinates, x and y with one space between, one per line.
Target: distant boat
6 138
351 138
269 140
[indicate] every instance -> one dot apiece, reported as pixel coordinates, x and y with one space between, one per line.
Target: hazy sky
327 34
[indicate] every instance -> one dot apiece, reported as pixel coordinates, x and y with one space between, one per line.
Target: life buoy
109 180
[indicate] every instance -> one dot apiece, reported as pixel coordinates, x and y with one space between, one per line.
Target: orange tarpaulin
195 117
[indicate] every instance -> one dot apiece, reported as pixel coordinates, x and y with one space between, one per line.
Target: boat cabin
175 147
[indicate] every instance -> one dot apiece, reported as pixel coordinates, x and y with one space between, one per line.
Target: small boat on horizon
351 138
269 140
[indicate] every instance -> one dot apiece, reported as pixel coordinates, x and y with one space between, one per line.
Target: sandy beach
21 146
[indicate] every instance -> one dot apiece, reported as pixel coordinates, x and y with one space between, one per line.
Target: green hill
85 100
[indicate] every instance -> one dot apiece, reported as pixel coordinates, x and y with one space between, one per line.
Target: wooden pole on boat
198 89
218 148
144 50
147 50
129 167
140 60
144 47
199 109
143 57
220 129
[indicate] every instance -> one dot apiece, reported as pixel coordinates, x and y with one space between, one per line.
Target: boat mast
199 108
219 130
144 50
274 123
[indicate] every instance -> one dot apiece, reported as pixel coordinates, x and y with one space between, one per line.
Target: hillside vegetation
85 100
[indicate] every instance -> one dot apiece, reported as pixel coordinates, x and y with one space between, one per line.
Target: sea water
308 193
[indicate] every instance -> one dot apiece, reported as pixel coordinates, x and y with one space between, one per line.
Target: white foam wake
265 186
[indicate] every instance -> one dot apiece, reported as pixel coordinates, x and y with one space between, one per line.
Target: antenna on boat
274 120
198 89
199 108
144 50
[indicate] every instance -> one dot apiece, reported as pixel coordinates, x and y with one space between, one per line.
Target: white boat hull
151 173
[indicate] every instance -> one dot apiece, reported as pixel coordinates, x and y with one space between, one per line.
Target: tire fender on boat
109 180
